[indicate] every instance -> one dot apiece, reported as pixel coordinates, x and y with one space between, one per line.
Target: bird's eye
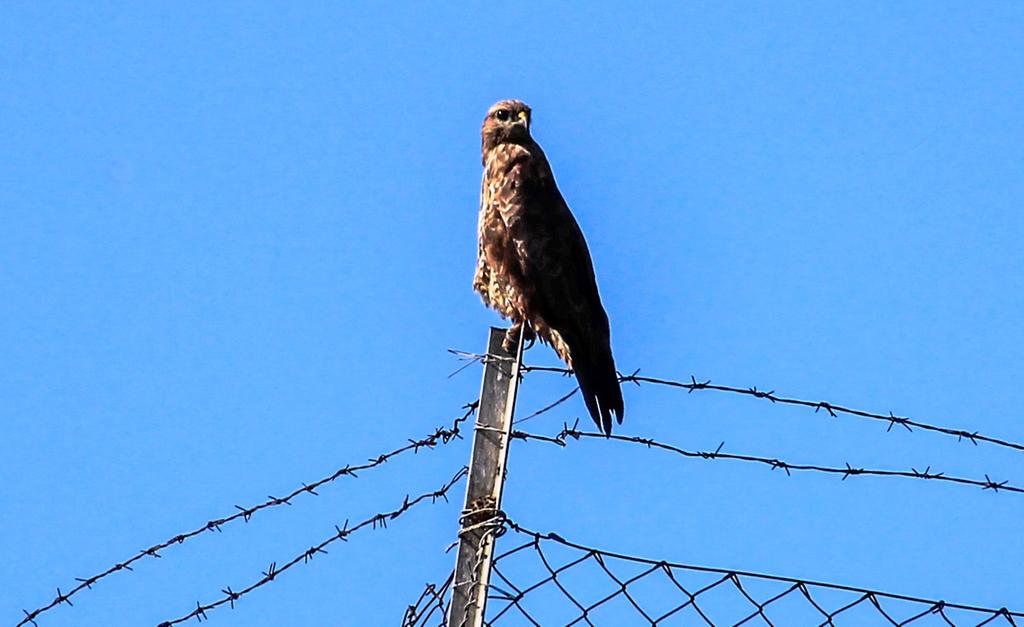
501 114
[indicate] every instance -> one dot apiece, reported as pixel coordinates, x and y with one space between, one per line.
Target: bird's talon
511 340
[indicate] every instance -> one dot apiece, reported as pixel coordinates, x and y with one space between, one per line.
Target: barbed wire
441 435
567 432
342 533
704 594
433 598
833 409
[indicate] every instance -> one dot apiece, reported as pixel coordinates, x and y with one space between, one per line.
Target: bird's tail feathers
599 384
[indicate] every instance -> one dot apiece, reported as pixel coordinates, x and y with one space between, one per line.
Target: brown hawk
533 265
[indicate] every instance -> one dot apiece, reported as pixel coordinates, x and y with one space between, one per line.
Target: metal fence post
486 479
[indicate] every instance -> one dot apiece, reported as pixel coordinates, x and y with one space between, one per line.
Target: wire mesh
545 579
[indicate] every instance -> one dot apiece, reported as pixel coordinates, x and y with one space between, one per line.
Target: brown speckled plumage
533 264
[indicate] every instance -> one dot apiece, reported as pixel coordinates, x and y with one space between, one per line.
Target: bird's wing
556 267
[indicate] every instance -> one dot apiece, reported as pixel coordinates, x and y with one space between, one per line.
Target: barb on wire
846 471
441 435
659 590
832 409
342 533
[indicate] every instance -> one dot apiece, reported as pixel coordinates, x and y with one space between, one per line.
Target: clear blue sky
237 241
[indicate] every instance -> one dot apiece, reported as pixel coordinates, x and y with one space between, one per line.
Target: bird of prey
533 264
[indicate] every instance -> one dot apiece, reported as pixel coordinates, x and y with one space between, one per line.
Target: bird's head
507 121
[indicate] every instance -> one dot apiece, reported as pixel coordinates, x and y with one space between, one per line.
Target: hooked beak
522 120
